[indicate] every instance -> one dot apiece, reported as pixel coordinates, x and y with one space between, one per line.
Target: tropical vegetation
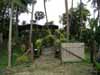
16 50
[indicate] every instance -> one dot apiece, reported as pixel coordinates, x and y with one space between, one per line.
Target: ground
52 66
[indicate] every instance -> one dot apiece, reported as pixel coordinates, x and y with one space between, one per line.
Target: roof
27 26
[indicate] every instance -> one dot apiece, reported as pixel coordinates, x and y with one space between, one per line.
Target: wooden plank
72 53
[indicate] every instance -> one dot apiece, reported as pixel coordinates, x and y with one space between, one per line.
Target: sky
55 8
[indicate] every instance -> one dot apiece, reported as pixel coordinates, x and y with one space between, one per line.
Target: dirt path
52 66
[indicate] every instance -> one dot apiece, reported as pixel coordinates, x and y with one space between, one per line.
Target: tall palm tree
72 4
44 2
10 36
67 25
98 7
96 3
31 26
12 3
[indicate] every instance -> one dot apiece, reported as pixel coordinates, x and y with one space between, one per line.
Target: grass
4 57
78 68
53 69
17 52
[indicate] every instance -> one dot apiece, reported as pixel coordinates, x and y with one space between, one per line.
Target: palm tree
44 1
67 25
12 2
10 36
98 7
72 4
96 3
30 35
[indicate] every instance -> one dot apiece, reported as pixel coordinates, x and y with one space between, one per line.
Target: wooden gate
72 52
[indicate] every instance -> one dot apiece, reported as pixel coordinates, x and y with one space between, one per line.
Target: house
38 30
36 27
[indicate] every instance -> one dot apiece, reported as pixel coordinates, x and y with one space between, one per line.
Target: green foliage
49 39
22 59
19 7
57 43
92 33
97 66
38 43
60 35
97 35
23 48
86 35
93 23
38 46
77 19
3 57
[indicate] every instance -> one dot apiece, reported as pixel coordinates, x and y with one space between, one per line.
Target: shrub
49 40
57 43
22 59
97 65
38 43
23 47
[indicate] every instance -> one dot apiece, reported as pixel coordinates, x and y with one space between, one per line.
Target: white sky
55 8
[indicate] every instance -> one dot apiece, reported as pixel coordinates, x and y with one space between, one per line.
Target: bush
38 43
22 59
57 43
48 40
23 47
97 66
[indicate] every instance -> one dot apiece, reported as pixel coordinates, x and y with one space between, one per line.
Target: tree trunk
45 11
72 5
67 25
98 7
16 34
93 51
30 34
81 18
91 54
99 16
1 37
10 36
1 40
